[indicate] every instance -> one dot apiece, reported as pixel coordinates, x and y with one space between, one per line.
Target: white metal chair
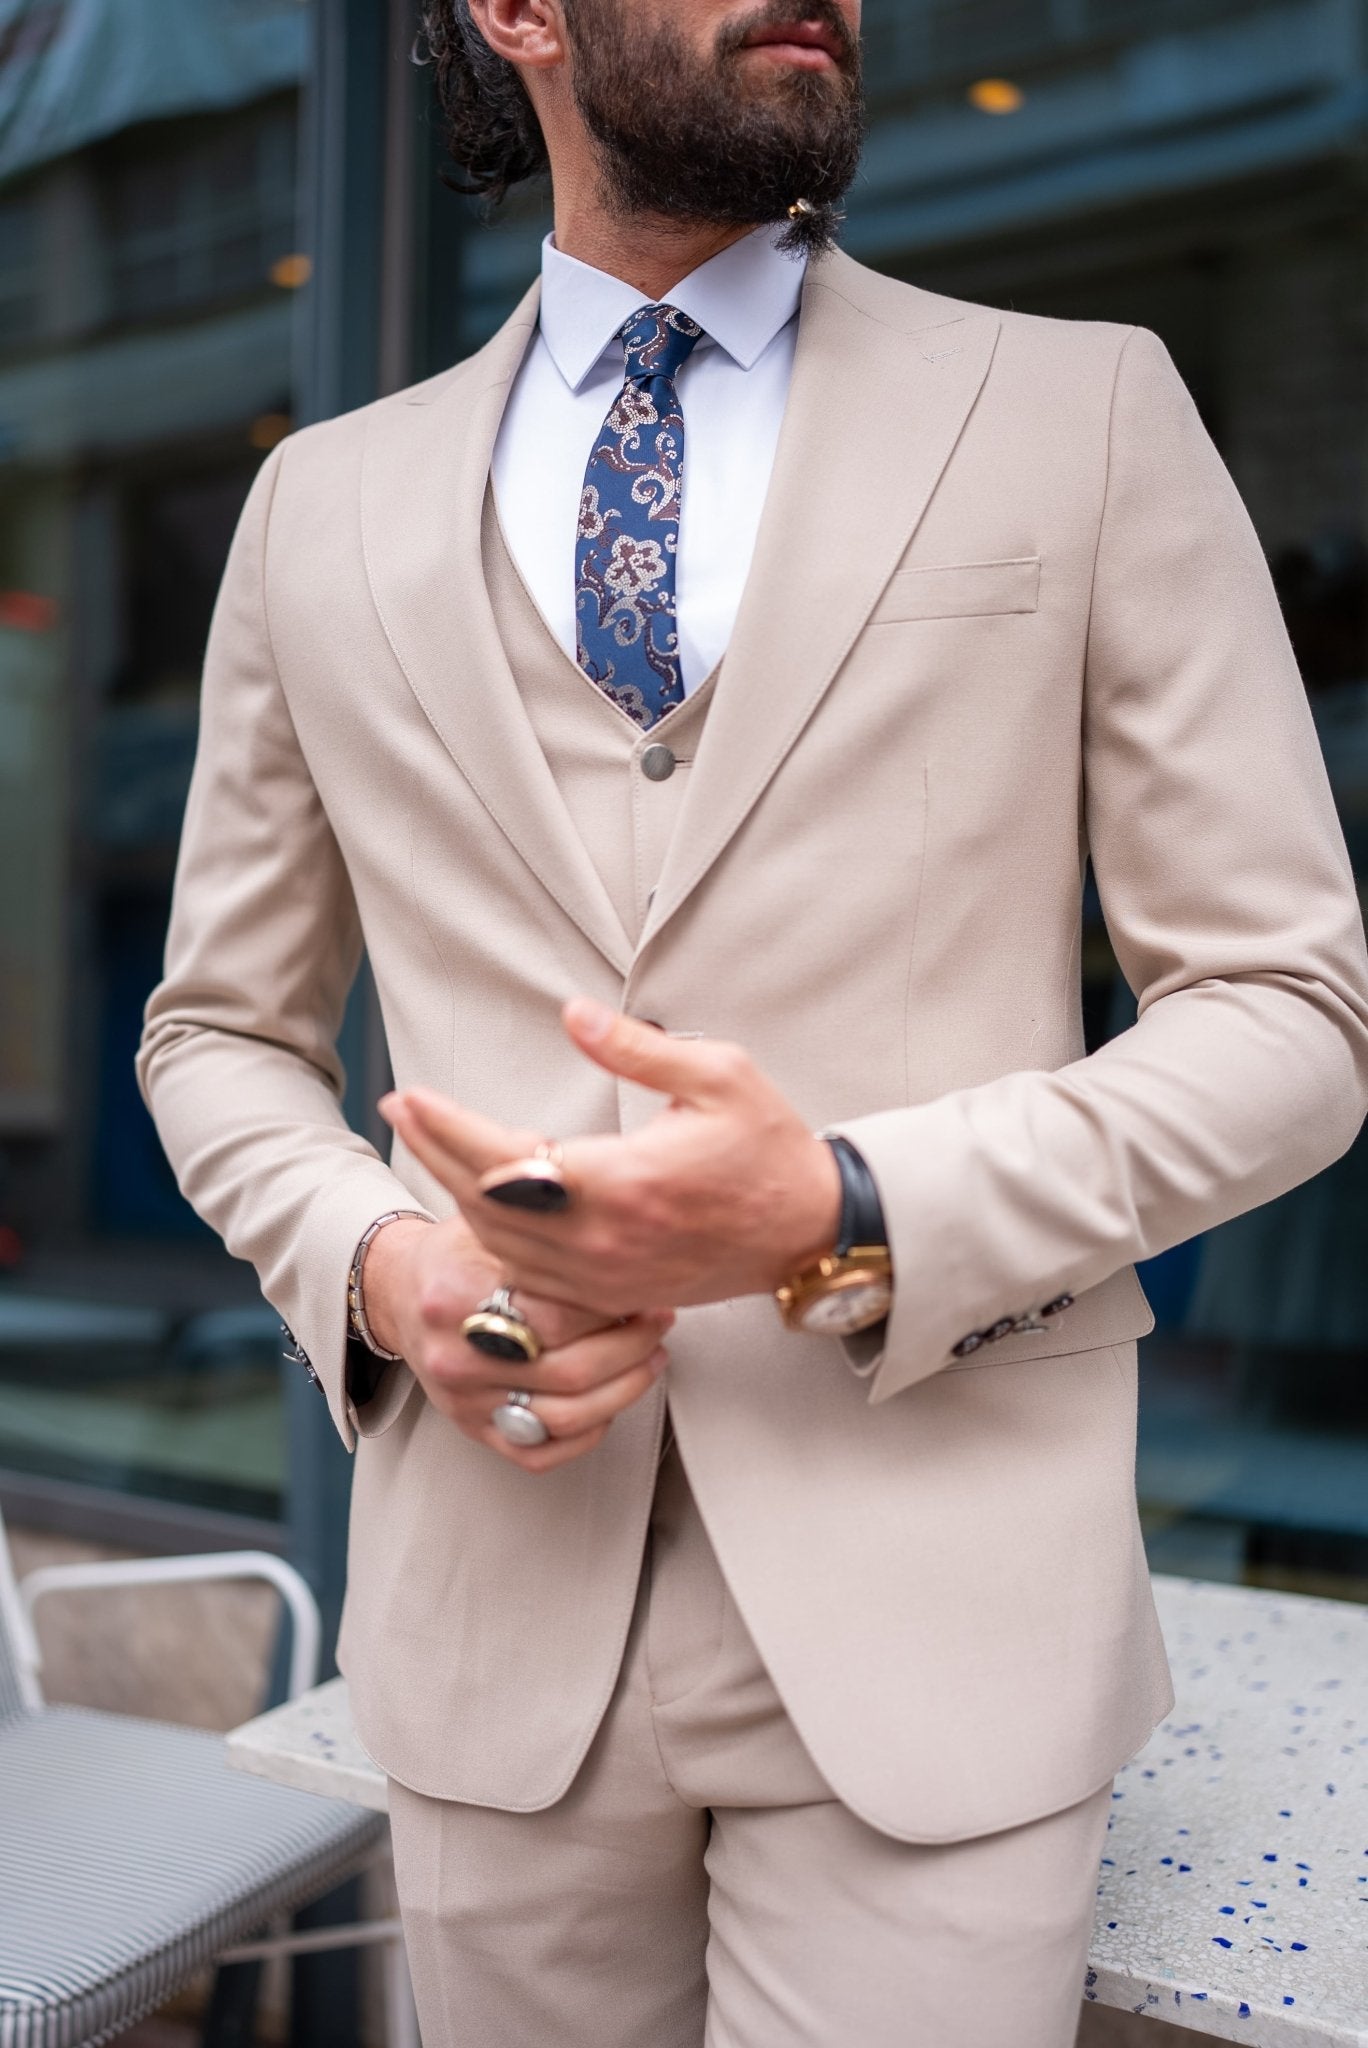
133 1856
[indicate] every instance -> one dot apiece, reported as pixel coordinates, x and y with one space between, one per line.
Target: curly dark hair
492 133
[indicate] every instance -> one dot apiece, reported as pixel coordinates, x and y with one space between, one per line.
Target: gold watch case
839 1295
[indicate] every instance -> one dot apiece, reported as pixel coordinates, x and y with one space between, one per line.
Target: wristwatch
850 1288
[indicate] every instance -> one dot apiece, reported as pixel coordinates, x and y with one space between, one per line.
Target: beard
679 138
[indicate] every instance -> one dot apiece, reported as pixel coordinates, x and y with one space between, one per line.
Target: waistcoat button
657 763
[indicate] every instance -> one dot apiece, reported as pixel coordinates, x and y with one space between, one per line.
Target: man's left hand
724 1193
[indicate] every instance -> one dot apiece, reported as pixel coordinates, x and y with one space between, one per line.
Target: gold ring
496 1328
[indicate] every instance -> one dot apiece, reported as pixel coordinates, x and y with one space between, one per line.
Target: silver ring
517 1424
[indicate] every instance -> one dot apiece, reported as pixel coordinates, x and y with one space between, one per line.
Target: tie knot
657 340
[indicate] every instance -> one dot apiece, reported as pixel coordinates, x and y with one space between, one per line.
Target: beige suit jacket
1006 610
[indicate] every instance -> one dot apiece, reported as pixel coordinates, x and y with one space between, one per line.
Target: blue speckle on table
1221 1941
1299 1946
1227 1909
1288 1999
1270 1855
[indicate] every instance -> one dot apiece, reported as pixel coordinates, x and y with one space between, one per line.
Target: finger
695 1071
609 1297
556 1321
546 1457
525 1242
571 1415
450 1133
578 1368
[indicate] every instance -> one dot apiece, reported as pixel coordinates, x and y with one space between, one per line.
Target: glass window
147 254
199 214
20 303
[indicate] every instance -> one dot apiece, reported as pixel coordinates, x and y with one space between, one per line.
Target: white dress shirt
732 390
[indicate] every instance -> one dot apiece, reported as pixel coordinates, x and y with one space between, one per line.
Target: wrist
386 1281
815 1212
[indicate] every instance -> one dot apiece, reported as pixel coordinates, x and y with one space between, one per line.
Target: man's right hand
421 1282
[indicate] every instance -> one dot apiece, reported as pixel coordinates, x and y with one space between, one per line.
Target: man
750 650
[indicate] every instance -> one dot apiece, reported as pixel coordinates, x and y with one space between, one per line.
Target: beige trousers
699 1886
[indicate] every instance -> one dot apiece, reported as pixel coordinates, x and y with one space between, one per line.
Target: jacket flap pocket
961 590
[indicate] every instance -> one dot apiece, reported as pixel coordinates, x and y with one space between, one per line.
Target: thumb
640 1052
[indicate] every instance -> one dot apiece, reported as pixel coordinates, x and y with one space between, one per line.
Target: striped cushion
130 1856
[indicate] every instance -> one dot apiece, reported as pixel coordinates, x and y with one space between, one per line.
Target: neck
649 253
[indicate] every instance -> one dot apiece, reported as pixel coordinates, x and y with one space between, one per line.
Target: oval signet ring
536 1183
517 1424
495 1327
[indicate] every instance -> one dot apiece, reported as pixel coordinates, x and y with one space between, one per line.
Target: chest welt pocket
961 590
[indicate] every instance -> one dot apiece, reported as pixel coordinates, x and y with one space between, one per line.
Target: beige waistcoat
593 750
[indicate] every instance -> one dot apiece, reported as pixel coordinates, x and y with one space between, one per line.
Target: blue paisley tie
626 625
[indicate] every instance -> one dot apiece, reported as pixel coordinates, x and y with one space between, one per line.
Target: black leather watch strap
862 1216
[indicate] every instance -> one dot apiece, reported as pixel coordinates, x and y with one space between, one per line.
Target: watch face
847 1309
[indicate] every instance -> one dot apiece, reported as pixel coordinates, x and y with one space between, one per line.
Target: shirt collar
741 299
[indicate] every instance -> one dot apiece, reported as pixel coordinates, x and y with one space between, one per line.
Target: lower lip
806 56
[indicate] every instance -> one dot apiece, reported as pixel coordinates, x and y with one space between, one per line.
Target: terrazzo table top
1234 1893
1234 1887
310 1743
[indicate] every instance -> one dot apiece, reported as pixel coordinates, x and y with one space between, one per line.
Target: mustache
783 14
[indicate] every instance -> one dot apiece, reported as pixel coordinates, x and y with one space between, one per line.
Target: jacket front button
967 1346
658 763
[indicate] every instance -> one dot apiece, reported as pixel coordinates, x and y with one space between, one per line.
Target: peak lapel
884 380
425 471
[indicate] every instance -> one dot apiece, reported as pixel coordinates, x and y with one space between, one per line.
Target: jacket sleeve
238 1062
1232 909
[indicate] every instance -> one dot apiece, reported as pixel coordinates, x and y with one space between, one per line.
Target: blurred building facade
148 227
1197 166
